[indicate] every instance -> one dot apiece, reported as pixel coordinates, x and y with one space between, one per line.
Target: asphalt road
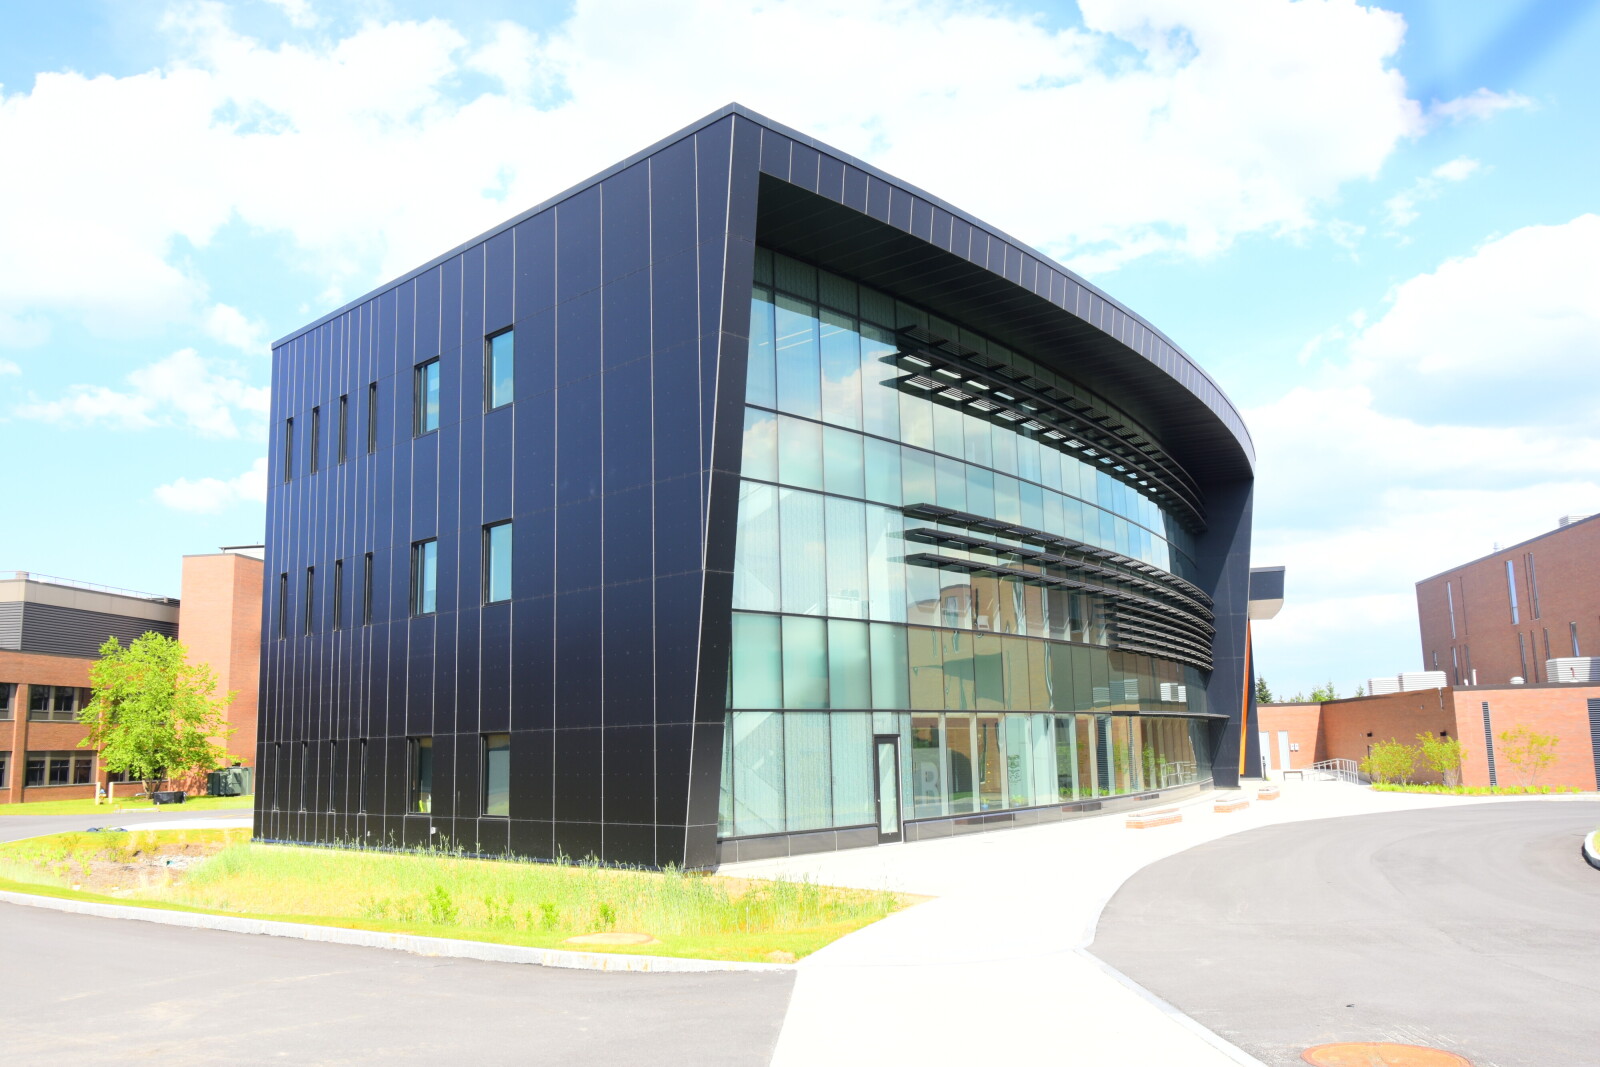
16 827
88 990
1474 929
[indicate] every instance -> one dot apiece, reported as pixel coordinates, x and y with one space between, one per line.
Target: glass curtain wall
1003 693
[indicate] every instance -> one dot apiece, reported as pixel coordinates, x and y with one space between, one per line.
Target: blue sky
1376 226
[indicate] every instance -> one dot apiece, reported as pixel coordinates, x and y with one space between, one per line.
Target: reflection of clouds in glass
841 394
761 448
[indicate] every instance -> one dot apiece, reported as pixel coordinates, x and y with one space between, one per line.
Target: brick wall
1351 727
1303 723
19 736
219 620
1560 710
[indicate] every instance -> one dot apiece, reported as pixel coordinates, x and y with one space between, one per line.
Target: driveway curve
1473 928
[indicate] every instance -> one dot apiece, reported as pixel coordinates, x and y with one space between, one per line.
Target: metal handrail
73 583
1339 770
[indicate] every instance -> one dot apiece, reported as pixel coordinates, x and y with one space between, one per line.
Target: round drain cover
1380 1054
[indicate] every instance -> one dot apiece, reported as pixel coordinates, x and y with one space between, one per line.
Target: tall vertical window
421 784
498 370
1522 651
344 427
315 461
1450 600
426 416
1533 585
1572 626
1511 591
1455 666
338 594
497 774
288 449
425 577
497 562
372 418
305 766
361 781
5 770
310 604
366 589
283 605
1547 642
6 689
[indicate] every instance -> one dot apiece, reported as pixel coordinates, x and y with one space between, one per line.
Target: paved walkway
994 966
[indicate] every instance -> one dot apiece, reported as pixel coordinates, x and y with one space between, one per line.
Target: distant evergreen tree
1263 694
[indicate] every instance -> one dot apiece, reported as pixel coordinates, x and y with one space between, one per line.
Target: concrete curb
1591 849
412 943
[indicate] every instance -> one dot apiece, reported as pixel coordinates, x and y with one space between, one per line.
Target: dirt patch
134 868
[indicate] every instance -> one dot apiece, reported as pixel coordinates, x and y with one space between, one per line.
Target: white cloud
1479 104
8 367
184 389
1463 416
298 12
230 326
1402 207
1162 127
210 495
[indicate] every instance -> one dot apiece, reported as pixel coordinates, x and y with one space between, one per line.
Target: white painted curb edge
420 946
1591 849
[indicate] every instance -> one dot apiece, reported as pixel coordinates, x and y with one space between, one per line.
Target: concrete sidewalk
996 964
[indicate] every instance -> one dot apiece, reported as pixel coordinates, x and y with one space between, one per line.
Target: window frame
366 589
344 428
484 792
313 463
288 448
338 594
309 602
419 556
415 748
372 418
419 414
487 585
489 378
283 605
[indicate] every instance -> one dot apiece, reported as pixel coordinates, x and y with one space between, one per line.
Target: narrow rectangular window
425 577
338 594
1547 642
372 418
315 460
1511 591
1522 651
1533 586
421 784
5 770
305 766
497 774
361 785
498 370
426 415
366 590
1450 599
497 562
1574 628
311 581
283 605
344 428
1436 659
1455 665
335 776
288 449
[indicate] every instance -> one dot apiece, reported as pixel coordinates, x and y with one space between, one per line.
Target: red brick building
1502 616
1477 715
50 633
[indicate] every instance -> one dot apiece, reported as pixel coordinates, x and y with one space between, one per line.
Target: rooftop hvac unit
1568 520
1572 669
1405 683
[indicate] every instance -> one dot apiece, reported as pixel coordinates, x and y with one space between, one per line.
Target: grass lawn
441 895
89 807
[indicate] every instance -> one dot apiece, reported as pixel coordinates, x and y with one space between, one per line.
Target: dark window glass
310 599
288 449
338 594
497 774
316 440
427 398
497 562
82 770
366 590
5 770
305 762
35 771
344 427
283 605
424 577
421 774
7 688
361 783
372 418
498 370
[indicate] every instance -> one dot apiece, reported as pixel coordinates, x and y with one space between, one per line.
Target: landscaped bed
444 895
1474 790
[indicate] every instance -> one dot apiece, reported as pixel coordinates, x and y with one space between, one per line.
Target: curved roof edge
1219 403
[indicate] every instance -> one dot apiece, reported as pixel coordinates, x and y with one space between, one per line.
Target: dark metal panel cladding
11 625
76 632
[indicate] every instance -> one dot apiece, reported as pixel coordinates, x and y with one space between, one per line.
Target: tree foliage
1390 761
1527 752
1442 756
1263 694
1323 693
153 715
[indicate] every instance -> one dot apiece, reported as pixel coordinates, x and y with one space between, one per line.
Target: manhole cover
1380 1054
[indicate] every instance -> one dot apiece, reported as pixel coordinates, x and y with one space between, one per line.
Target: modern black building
743 500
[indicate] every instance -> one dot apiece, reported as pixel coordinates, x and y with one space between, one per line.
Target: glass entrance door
887 751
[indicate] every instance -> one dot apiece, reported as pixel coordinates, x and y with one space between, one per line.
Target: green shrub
1390 761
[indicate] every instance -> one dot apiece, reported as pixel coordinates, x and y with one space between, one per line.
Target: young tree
1263 694
153 715
1443 756
1390 761
1527 753
1323 693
